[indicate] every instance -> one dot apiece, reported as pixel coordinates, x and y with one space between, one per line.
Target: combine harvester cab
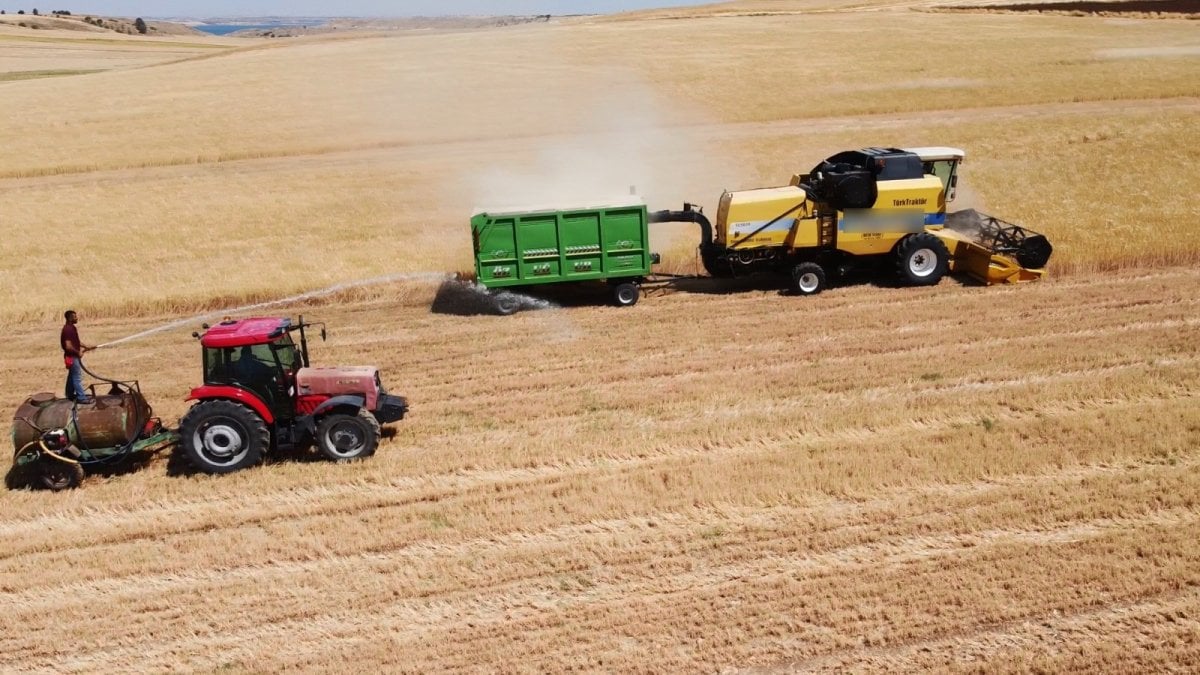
55 439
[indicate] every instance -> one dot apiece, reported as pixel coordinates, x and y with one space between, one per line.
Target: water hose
46 451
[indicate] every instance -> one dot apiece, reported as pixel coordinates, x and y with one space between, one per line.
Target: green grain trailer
531 247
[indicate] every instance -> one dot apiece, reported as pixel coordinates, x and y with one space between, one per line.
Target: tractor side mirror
323 336
195 335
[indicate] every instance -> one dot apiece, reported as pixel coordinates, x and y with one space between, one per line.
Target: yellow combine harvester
865 207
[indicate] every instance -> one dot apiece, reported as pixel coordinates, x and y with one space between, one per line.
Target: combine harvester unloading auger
872 208
259 394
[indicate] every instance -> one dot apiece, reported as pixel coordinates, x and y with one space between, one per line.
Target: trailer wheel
342 438
223 437
922 260
808 279
56 475
626 294
507 303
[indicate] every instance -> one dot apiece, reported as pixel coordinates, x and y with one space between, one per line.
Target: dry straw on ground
872 479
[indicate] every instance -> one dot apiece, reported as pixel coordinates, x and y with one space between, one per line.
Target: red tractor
260 393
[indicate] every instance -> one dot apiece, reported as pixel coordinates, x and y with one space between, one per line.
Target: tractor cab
259 356
943 163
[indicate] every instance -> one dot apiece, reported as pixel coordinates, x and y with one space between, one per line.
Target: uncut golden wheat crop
721 478
370 153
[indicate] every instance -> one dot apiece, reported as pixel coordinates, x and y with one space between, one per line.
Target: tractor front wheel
922 260
342 438
223 437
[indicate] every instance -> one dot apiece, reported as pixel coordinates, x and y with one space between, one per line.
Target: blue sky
224 8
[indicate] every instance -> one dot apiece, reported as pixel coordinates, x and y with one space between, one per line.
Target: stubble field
954 478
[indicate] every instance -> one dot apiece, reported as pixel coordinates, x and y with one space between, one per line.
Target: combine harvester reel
994 251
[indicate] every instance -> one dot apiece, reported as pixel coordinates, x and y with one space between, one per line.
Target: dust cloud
623 141
468 298
626 140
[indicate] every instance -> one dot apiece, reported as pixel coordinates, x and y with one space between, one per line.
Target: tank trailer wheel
808 279
223 437
342 438
922 260
507 303
626 294
57 476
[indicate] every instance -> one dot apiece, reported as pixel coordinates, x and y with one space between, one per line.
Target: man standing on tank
73 351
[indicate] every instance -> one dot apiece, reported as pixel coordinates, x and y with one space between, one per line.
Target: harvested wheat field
721 478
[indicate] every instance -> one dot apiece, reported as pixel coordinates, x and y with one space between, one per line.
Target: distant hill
427 23
94 24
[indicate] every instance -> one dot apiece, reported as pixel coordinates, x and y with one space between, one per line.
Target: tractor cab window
945 170
253 364
246 365
216 368
287 353
255 369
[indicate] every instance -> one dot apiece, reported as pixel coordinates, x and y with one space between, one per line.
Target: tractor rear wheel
223 437
626 294
342 438
807 279
922 260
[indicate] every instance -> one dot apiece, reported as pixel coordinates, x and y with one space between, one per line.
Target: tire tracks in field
673 528
909 389
464 479
940 330
974 647
293 502
473 486
527 599
736 359
737 369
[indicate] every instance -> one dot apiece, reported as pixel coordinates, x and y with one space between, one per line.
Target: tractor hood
342 380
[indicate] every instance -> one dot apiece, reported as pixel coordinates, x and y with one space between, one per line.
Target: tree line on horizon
139 24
